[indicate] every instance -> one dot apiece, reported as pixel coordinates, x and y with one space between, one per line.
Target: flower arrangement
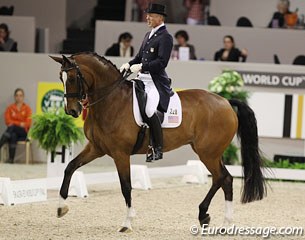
229 84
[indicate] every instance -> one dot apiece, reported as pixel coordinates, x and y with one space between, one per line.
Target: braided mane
98 57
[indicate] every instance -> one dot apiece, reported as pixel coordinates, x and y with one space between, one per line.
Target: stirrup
148 158
157 154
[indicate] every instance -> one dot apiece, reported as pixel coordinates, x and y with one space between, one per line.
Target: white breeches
153 96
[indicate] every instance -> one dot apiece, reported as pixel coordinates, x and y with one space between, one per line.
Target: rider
150 64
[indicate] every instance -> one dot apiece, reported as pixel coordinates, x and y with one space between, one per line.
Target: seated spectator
278 18
123 48
18 121
182 38
6 43
195 9
230 53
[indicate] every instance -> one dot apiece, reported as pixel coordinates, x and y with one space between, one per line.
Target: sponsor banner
26 191
280 80
51 95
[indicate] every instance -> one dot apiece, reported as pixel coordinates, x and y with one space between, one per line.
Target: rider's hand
125 67
136 68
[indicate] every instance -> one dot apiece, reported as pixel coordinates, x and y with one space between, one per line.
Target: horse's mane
99 58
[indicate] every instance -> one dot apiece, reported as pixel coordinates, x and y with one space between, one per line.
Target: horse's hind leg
228 191
86 156
214 165
122 163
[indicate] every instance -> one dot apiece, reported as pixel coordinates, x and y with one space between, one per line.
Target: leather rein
82 95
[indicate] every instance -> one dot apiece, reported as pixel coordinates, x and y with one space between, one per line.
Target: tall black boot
156 131
12 151
4 139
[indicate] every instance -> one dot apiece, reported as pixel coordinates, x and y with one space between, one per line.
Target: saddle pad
173 116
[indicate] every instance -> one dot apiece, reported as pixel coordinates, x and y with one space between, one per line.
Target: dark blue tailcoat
154 55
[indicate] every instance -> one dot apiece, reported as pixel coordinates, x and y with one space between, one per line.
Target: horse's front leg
87 155
123 166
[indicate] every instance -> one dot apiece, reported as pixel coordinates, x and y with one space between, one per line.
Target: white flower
219 89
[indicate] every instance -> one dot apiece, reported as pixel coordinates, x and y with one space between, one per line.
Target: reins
123 78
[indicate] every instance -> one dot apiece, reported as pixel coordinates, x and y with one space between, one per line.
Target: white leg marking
131 213
61 202
228 212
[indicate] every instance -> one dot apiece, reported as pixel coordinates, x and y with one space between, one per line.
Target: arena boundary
33 190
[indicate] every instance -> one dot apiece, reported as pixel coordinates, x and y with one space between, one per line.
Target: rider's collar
155 29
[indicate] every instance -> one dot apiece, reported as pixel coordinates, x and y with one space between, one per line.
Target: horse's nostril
73 113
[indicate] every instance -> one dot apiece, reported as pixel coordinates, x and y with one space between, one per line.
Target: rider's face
154 20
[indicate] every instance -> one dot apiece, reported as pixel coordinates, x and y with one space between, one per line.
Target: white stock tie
151 33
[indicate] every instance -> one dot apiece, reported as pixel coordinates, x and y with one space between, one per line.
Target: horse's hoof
125 230
205 221
62 211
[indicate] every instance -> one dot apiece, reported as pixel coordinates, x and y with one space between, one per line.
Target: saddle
171 119
142 100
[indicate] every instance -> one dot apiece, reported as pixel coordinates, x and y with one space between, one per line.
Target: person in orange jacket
18 121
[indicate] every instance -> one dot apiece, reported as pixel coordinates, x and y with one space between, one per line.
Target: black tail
254 183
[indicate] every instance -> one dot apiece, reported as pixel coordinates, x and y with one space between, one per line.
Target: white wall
259 11
261 43
22 30
48 14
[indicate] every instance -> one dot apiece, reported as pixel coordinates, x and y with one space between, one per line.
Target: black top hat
156 8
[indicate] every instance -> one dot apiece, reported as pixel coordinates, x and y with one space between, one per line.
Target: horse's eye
71 80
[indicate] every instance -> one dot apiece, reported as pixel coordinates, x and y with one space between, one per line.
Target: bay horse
209 125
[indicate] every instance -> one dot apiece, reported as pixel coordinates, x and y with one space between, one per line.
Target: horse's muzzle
73 113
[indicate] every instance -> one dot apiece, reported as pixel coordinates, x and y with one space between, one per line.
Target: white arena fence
35 190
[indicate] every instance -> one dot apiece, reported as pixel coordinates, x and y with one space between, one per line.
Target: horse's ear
67 60
57 59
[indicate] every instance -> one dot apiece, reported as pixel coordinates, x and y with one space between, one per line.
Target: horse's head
86 76
75 85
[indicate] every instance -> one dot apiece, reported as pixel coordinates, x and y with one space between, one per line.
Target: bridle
82 95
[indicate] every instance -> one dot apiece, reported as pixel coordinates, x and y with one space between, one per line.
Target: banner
51 95
275 80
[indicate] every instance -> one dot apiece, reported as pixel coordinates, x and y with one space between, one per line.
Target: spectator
278 18
195 10
230 53
18 121
6 43
182 38
123 48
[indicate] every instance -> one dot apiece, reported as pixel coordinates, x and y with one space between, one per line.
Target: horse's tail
254 183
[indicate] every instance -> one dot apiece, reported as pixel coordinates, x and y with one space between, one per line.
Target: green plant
55 128
229 84
230 155
284 163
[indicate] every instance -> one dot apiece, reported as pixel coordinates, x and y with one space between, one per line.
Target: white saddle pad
173 116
